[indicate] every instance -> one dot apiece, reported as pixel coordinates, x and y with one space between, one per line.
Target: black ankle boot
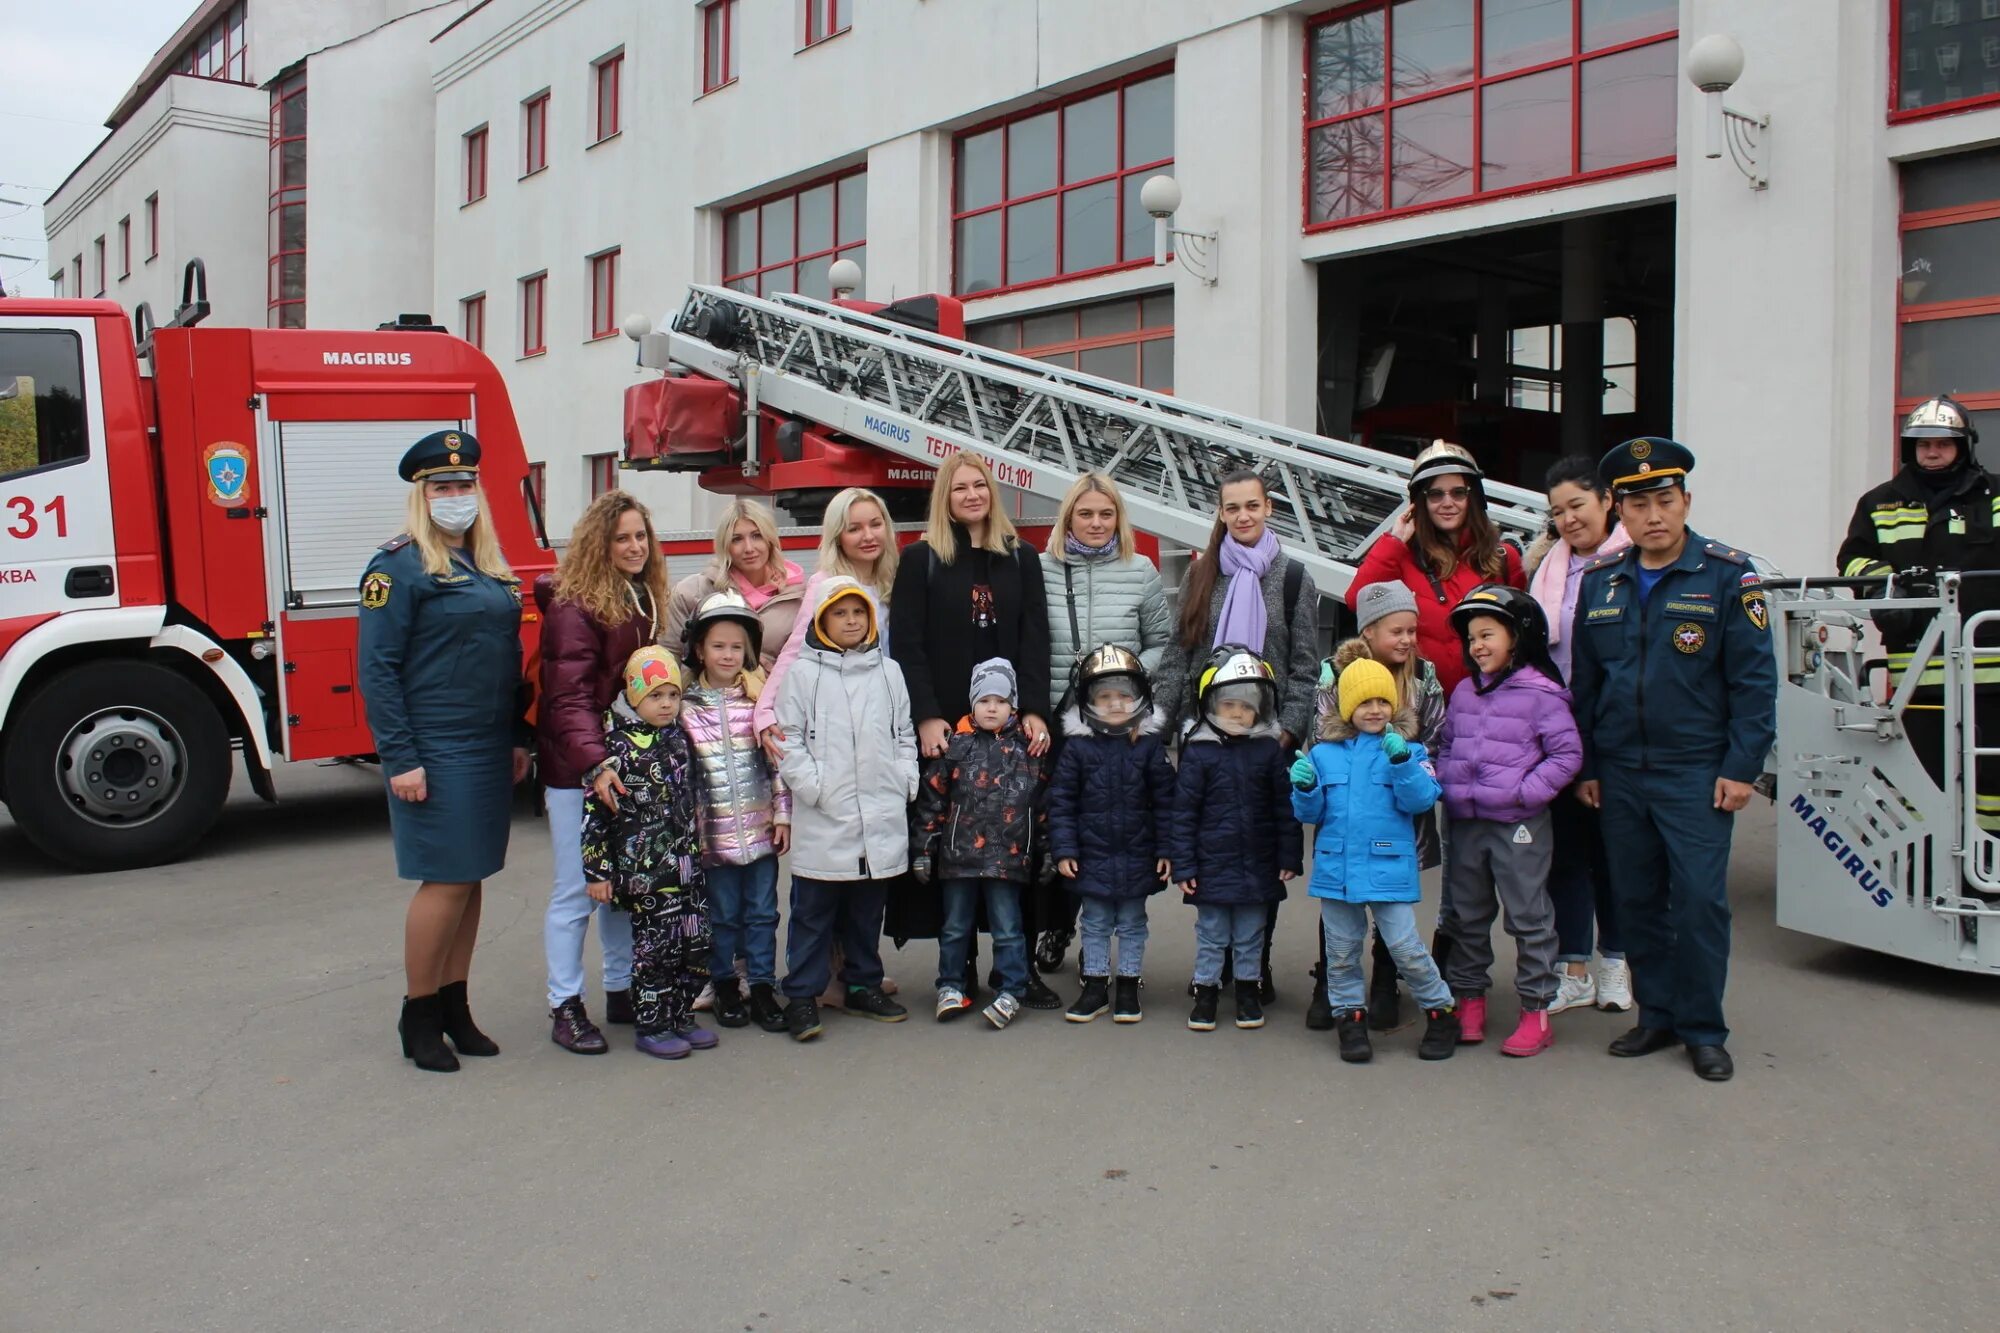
1249 1012
1355 1048
730 1011
765 1010
423 1035
458 1024
1094 1000
1201 1018
1319 1014
1385 1002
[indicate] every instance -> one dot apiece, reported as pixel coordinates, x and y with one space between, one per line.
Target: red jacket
583 668
1390 560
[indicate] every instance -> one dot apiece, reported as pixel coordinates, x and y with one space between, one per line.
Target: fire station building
1513 223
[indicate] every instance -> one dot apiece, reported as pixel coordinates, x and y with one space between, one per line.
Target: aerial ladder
922 396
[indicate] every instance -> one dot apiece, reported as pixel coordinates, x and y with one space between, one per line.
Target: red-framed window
600 473
604 294
534 312
286 295
97 252
124 247
538 485
718 45
472 320
1429 103
1948 302
475 165
1053 192
827 18
787 242
152 226
1944 56
1130 340
606 76
535 134
218 51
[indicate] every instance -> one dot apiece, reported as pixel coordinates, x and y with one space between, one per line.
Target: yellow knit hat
647 670
1363 679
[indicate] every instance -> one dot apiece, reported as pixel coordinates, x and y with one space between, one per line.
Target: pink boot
1471 1020
1534 1036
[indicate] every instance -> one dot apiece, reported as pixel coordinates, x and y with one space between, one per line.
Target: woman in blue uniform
440 672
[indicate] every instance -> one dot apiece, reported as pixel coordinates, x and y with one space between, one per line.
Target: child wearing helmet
1509 747
1112 791
1232 841
642 854
746 811
1363 784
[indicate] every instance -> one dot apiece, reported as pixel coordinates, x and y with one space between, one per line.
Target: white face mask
455 513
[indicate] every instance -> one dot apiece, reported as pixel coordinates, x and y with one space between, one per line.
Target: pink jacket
767 701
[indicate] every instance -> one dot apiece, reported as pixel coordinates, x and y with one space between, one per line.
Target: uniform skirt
458 833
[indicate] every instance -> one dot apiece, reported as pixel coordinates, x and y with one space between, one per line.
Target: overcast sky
63 65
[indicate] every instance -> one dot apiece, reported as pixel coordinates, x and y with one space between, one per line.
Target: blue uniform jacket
1687 681
1365 807
1232 829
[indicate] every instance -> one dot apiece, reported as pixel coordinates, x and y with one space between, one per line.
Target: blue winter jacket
1232 830
1107 804
1366 847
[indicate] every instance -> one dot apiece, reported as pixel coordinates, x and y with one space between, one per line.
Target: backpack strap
1295 579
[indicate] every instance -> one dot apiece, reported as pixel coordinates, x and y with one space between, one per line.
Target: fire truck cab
179 553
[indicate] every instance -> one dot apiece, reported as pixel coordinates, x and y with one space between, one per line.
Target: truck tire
116 765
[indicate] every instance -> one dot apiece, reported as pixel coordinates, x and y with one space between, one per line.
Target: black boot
1094 1000
1440 1034
457 1022
1267 990
730 1010
1249 1013
618 1007
1125 1009
1385 1002
422 1029
765 1011
1355 1048
1039 995
1319 1014
1202 1017
1440 948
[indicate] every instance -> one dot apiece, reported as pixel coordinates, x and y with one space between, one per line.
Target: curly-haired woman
602 604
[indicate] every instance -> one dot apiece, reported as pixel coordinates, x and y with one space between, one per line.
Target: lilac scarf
1244 618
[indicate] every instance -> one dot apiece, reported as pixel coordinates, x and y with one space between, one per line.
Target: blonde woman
440 671
747 561
601 606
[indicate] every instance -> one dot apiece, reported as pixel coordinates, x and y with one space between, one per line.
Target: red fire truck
179 552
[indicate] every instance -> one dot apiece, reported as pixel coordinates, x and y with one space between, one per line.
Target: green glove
1304 776
1395 746
1326 673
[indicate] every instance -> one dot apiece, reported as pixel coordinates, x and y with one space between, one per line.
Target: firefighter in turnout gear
1676 700
1939 512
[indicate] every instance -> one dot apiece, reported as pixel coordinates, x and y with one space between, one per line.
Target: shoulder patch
395 543
375 590
1729 553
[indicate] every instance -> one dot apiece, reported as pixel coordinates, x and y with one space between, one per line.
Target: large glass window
218 51
1419 103
286 297
1054 192
787 242
1129 340
1948 303
1946 58
42 420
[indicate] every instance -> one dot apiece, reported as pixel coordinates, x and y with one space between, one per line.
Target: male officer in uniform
1940 512
1676 697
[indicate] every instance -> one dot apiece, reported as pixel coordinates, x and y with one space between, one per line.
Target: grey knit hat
1382 599
995 676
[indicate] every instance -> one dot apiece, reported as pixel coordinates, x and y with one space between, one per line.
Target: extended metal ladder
926 397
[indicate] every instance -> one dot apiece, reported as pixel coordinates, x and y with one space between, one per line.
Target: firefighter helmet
1939 418
1522 614
717 607
1443 459
1235 673
1108 662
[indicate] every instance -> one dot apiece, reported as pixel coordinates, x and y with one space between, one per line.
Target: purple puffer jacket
1507 754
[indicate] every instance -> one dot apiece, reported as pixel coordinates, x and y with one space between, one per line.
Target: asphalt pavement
205 1123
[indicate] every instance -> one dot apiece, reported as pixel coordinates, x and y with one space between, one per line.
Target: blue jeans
1003 918
824 910
570 908
1345 926
743 908
1219 929
1099 919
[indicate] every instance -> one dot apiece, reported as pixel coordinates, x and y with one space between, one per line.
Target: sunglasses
1454 493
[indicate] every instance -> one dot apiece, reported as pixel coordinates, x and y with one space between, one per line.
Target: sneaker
1125 1009
802 1019
1355 1048
697 1036
1096 998
618 1007
1614 985
1249 1011
1440 1034
951 1002
1471 1020
1003 1009
765 1010
1534 1035
1202 1017
572 1029
705 1002
662 1045
870 1002
1576 992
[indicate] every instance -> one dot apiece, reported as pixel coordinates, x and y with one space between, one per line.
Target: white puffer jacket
1116 601
850 758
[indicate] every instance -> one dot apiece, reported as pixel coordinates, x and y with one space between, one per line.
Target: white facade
1783 301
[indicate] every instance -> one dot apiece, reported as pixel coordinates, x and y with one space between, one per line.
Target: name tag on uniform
450 580
1598 613
1679 608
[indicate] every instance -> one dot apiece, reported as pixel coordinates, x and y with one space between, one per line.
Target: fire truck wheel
117 764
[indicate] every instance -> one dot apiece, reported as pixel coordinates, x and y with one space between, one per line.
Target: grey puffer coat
1115 601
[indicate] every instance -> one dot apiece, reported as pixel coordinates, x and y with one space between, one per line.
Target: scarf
1551 581
1071 546
758 594
1244 618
